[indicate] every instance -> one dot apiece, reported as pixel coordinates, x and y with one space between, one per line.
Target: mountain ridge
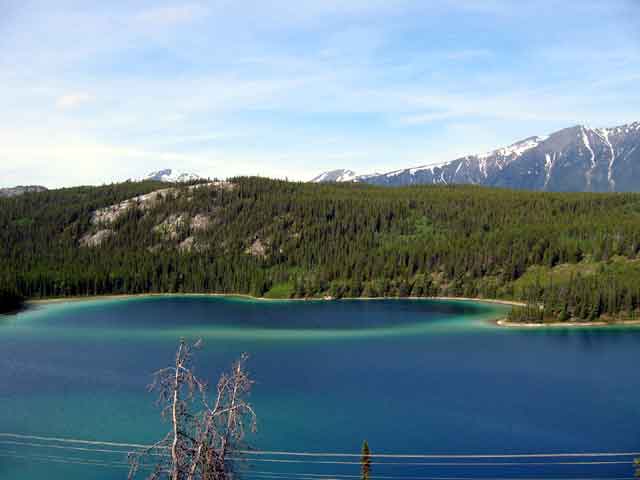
578 158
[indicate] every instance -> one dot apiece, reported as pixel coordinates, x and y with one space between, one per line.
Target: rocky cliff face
579 159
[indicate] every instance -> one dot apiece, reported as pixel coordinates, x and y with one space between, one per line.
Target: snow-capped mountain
341 175
574 159
170 176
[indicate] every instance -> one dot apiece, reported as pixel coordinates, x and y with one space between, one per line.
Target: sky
94 92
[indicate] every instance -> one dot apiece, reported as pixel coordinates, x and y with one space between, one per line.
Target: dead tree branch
201 440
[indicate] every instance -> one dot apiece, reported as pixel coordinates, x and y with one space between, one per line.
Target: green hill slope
574 252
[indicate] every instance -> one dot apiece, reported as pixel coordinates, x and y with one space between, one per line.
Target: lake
410 376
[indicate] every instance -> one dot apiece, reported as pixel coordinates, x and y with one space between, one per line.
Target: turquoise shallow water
410 376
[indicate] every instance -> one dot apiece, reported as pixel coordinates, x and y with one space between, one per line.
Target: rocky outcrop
200 222
111 213
169 229
172 228
257 249
96 239
146 202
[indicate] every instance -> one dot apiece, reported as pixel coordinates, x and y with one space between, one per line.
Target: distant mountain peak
577 158
170 176
340 175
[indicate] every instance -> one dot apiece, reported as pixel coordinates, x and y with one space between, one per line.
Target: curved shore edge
507 324
46 301
499 322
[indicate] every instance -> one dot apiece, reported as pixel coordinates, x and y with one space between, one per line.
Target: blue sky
95 92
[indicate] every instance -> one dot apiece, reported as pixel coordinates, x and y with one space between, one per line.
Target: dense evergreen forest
576 254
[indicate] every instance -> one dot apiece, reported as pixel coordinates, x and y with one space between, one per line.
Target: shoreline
124 296
599 324
501 322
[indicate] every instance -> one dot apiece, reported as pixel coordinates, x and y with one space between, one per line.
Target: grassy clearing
281 290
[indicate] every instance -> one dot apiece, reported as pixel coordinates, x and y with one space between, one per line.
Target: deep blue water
409 376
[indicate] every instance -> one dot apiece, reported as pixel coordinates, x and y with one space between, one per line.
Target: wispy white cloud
101 91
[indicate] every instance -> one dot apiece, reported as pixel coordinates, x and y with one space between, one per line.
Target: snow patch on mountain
579 158
603 133
170 176
426 168
341 175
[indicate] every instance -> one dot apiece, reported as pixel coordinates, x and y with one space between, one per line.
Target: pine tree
365 461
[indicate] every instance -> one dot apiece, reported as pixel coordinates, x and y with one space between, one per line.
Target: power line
89 447
72 461
60 459
444 464
73 440
292 475
434 456
65 447
331 462
323 476
334 454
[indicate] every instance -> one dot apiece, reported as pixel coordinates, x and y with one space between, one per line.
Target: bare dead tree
204 435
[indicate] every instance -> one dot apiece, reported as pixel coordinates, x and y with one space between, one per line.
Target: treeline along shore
569 256
10 301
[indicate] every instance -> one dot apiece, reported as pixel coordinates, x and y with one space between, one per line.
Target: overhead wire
102 447
338 454
328 462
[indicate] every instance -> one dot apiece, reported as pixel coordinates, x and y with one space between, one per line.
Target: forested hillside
577 253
